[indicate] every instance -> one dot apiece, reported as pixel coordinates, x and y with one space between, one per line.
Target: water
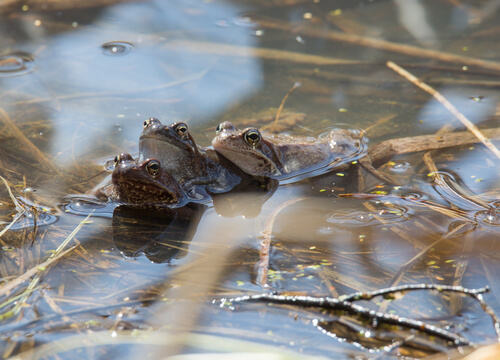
76 86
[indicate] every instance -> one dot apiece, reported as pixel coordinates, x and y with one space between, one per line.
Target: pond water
78 80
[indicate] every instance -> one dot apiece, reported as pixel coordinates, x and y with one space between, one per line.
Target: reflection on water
160 236
76 85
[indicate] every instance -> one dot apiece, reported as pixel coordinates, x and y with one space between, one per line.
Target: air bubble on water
325 230
244 21
400 166
364 217
490 216
116 48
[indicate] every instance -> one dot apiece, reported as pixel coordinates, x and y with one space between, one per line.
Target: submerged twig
449 106
254 52
329 303
265 243
379 44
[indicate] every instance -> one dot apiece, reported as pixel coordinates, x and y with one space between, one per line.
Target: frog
281 156
195 168
144 183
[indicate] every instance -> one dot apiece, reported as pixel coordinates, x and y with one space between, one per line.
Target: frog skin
195 168
144 183
285 156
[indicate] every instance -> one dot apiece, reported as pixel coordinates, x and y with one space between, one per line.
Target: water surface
76 85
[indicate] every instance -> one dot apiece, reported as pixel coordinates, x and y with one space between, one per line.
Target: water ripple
16 64
85 205
116 48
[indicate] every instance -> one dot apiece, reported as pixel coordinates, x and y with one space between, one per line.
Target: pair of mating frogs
172 169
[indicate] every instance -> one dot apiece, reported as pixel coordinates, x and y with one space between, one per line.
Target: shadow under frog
162 235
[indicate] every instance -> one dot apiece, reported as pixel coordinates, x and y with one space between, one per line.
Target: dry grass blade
282 105
265 243
439 97
5 229
25 143
58 253
8 6
379 44
254 52
5 289
19 208
12 197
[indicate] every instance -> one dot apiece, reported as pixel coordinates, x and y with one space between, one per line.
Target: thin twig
329 303
361 295
386 150
439 97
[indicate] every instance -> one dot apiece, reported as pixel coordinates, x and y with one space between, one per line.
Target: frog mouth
146 193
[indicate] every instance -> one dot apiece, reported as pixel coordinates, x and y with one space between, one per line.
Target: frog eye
153 167
252 137
122 158
181 129
150 121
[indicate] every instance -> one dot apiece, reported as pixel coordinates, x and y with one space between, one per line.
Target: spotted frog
144 183
193 167
284 156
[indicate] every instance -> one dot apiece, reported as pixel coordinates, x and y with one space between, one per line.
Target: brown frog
144 183
285 156
195 168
